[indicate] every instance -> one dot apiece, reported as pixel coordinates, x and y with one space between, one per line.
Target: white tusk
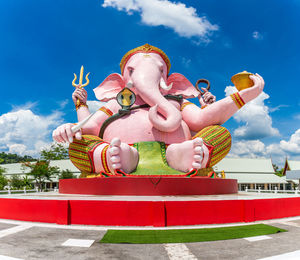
129 84
80 124
163 85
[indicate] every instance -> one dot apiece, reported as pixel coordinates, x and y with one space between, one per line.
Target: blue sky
44 42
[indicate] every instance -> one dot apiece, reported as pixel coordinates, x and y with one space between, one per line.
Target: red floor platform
157 211
157 201
148 186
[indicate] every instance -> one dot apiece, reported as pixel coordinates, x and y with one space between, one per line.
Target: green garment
152 160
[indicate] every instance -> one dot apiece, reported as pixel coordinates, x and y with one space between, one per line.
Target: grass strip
187 235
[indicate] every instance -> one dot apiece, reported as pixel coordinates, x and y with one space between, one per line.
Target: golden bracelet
80 105
185 104
237 100
106 111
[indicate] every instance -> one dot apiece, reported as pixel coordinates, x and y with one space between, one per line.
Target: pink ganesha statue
147 126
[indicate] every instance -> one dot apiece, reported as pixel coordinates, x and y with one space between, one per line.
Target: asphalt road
25 240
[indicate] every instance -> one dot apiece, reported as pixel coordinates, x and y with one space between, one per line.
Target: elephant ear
181 86
110 87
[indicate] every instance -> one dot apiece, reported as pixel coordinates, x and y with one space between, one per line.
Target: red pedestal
158 212
148 186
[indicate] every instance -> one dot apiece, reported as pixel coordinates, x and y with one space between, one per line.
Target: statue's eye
122 97
130 97
130 70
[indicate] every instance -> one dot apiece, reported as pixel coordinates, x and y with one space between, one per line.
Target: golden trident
80 85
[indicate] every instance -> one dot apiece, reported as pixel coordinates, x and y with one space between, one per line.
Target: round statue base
157 211
148 186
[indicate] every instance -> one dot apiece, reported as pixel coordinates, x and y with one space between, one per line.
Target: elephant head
145 70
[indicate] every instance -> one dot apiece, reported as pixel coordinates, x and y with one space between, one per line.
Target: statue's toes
197 158
198 150
115 159
198 141
116 166
115 142
196 165
114 151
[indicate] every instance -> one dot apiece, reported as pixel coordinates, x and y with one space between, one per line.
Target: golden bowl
242 80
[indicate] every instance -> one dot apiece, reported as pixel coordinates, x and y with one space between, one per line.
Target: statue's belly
136 127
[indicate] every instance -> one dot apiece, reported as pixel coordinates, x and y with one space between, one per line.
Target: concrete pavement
27 240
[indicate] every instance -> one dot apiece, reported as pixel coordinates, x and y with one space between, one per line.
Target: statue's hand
207 98
250 93
259 82
81 94
64 133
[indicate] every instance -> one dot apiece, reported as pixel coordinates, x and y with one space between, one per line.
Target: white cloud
62 104
257 149
25 133
257 35
277 108
177 16
255 115
248 149
293 145
297 116
27 106
186 62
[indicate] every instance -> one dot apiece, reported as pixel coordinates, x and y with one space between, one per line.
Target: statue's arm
92 127
219 112
79 97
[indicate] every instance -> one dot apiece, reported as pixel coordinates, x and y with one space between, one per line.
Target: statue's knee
219 138
221 142
81 152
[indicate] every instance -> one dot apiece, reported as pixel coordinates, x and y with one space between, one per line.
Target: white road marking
13 230
290 223
78 242
286 221
179 252
105 228
287 256
3 257
257 238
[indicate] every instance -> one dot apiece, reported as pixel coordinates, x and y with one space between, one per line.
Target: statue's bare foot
186 156
122 156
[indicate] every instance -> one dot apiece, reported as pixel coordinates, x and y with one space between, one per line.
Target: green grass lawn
186 235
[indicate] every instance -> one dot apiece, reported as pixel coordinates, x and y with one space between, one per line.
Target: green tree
3 182
14 158
16 182
275 167
66 174
277 171
27 182
55 152
3 179
41 171
2 170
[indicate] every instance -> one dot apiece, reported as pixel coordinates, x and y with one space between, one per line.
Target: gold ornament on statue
242 80
80 85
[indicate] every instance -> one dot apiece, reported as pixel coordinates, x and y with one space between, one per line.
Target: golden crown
147 48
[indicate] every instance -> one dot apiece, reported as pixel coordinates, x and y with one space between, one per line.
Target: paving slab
237 196
46 242
6 226
241 249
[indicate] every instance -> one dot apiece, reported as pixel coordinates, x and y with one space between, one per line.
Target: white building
292 172
252 173
17 169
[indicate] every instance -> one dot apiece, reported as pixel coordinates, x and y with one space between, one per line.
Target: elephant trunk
147 79
163 115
